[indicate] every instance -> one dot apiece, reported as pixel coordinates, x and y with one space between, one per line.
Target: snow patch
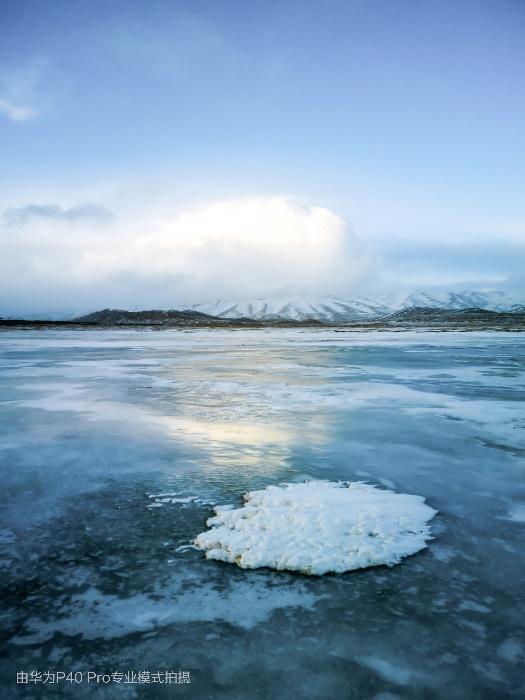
318 527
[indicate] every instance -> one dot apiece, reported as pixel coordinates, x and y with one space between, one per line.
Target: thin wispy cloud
20 90
16 113
79 212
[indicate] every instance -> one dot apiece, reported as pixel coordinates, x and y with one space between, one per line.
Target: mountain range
323 309
332 309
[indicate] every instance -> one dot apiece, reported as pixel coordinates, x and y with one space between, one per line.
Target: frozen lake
97 425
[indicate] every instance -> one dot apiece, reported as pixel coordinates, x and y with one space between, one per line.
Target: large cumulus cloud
82 257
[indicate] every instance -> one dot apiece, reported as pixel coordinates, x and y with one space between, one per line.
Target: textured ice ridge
318 527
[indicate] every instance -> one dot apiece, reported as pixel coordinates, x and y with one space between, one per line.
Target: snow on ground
318 527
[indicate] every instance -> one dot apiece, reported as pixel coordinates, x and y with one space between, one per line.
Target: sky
167 153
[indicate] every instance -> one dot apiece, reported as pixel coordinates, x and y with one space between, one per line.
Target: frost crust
318 527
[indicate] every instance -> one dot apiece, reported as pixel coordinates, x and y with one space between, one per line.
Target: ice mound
318 527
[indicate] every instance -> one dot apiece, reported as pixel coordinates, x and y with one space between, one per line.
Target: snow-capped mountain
326 308
491 300
332 309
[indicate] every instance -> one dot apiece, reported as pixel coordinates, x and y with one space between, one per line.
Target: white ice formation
318 527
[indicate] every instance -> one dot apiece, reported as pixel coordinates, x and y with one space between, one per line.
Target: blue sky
404 119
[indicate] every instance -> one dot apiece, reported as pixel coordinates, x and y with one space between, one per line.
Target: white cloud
231 249
16 113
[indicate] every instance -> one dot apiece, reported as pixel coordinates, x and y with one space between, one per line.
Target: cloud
16 113
21 215
241 248
20 90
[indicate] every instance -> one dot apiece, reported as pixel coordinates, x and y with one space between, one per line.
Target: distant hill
460 318
149 317
174 317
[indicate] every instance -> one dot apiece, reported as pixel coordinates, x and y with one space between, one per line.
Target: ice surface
98 615
389 671
517 513
511 650
97 428
318 527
